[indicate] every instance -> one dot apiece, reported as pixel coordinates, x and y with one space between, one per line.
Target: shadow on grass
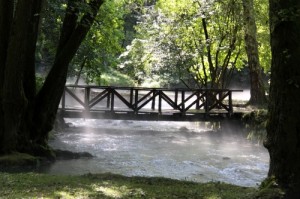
33 185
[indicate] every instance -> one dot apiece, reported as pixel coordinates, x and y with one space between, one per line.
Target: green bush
256 122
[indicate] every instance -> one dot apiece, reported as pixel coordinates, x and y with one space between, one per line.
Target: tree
97 57
257 90
198 42
261 8
283 129
99 53
26 117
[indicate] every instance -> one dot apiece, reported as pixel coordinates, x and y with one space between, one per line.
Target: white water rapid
178 150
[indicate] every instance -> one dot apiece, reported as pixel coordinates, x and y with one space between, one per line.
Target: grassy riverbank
33 185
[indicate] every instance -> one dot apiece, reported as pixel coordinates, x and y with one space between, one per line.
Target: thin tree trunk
257 91
56 79
212 69
283 130
80 71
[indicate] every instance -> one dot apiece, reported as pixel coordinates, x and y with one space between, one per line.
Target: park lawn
35 185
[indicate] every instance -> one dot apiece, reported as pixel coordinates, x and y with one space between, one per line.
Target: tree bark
257 91
212 68
29 81
283 129
14 101
70 41
27 118
6 16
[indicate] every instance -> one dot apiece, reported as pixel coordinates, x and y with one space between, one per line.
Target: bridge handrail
152 88
182 101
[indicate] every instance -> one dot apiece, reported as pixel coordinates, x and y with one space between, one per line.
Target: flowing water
178 150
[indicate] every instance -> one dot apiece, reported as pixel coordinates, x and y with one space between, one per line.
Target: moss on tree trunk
283 129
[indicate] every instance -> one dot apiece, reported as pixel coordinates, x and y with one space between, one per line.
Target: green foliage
193 41
32 185
134 61
103 44
256 122
99 52
113 78
269 189
263 33
159 41
51 22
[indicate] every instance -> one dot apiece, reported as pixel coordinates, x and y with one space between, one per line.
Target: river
179 150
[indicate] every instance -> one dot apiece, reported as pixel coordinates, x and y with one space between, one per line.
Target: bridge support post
108 98
112 99
230 103
63 100
206 104
153 100
159 101
136 99
182 102
131 96
176 97
87 92
198 100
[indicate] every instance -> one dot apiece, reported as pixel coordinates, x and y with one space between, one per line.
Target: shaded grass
34 185
17 159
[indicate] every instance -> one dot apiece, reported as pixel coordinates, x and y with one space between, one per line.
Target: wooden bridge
135 103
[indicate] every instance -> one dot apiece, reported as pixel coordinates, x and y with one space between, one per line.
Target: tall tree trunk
6 16
283 129
14 100
257 91
29 83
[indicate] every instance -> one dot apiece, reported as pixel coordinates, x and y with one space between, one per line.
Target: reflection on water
178 150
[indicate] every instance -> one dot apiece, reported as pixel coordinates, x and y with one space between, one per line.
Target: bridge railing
138 100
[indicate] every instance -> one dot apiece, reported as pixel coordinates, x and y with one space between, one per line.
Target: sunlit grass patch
33 185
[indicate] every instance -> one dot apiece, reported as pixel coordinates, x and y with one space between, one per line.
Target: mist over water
179 150
244 96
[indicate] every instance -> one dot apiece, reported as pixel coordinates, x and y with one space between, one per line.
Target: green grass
33 185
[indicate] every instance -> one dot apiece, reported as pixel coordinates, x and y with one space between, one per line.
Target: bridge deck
129 103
